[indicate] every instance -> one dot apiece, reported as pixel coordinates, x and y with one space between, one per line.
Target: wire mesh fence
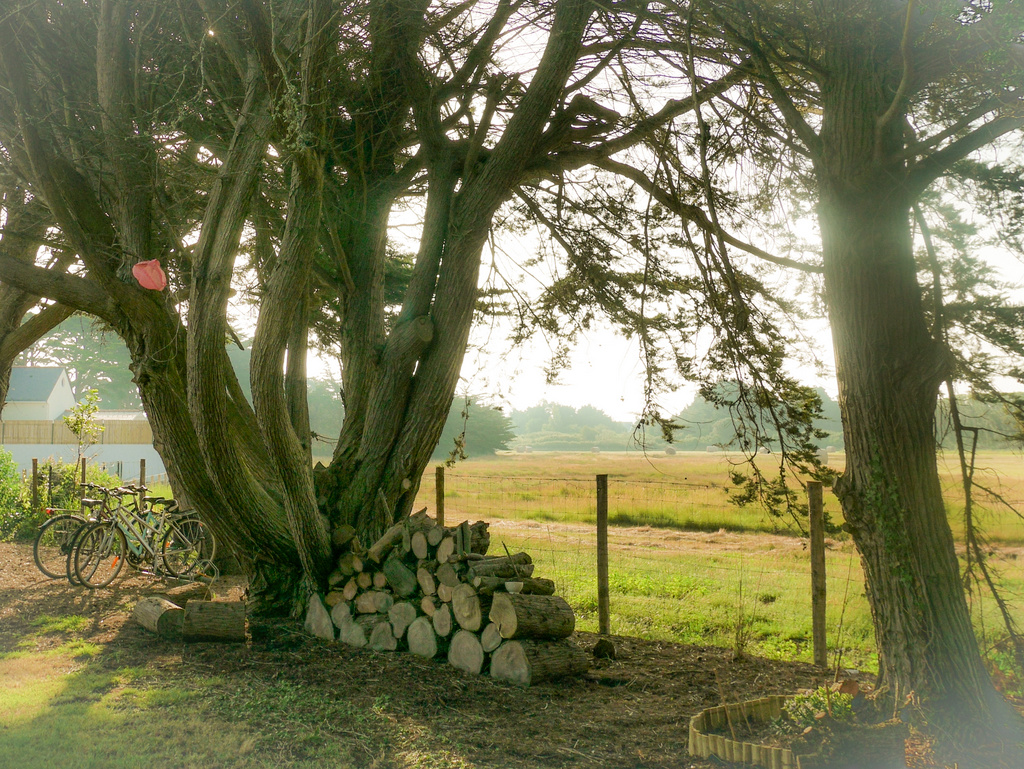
685 565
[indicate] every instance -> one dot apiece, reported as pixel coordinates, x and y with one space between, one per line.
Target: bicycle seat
92 502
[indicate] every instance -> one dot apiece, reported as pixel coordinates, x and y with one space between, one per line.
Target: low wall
123 458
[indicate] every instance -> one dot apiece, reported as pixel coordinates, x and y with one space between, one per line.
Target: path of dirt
626 713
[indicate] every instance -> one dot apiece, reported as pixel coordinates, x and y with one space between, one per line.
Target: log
333 598
361 627
445 550
340 613
351 589
318 621
379 580
380 549
442 620
364 580
490 638
480 538
402 615
461 535
468 608
382 638
515 567
423 641
428 585
214 621
420 546
343 536
444 592
374 602
531 585
434 535
429 604
530 662
532 616
349 563
160 616
448 574
352 633
400 577
466 653
335 578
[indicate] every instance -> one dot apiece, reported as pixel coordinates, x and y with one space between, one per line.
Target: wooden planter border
753 754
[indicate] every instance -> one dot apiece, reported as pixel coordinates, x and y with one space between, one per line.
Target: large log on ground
468 608
531 662
532 616
490 638
400 577
160 616
214 621
423 641
442 620
466 653
402 615
531 585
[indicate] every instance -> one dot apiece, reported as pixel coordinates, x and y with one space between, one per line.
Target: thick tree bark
889 368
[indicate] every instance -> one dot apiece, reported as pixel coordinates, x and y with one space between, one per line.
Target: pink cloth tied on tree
150 275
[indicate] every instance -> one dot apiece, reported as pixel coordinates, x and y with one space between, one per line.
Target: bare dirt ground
630 712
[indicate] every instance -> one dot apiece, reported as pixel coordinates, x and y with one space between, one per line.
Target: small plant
806 710
12 500
81 421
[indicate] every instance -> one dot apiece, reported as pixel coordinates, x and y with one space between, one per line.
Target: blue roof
33 383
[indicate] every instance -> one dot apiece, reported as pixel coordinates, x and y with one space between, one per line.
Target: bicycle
55 539
172 541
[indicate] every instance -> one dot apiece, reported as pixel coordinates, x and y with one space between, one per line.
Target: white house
38 393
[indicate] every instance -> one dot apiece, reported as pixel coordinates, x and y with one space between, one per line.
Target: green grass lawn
729 590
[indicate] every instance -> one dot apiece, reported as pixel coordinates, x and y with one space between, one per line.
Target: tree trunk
889 368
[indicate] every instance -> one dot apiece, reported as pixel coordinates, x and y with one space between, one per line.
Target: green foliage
58 489
557 427
81 421
12 503
802 710
473 429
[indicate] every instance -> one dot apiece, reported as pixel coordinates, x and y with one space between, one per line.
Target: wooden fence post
439 494
818 589
35 485
603 613
142 473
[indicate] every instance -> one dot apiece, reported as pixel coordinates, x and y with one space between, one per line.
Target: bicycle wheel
100 554
69 560
53 542
187 545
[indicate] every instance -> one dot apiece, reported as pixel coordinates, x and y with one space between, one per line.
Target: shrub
58 488
12 508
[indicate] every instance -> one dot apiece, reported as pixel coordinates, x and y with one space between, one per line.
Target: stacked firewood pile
434 591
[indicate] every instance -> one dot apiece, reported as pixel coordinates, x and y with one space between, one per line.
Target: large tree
878 101
266 149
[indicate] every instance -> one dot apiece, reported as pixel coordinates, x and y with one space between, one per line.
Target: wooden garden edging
753 754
